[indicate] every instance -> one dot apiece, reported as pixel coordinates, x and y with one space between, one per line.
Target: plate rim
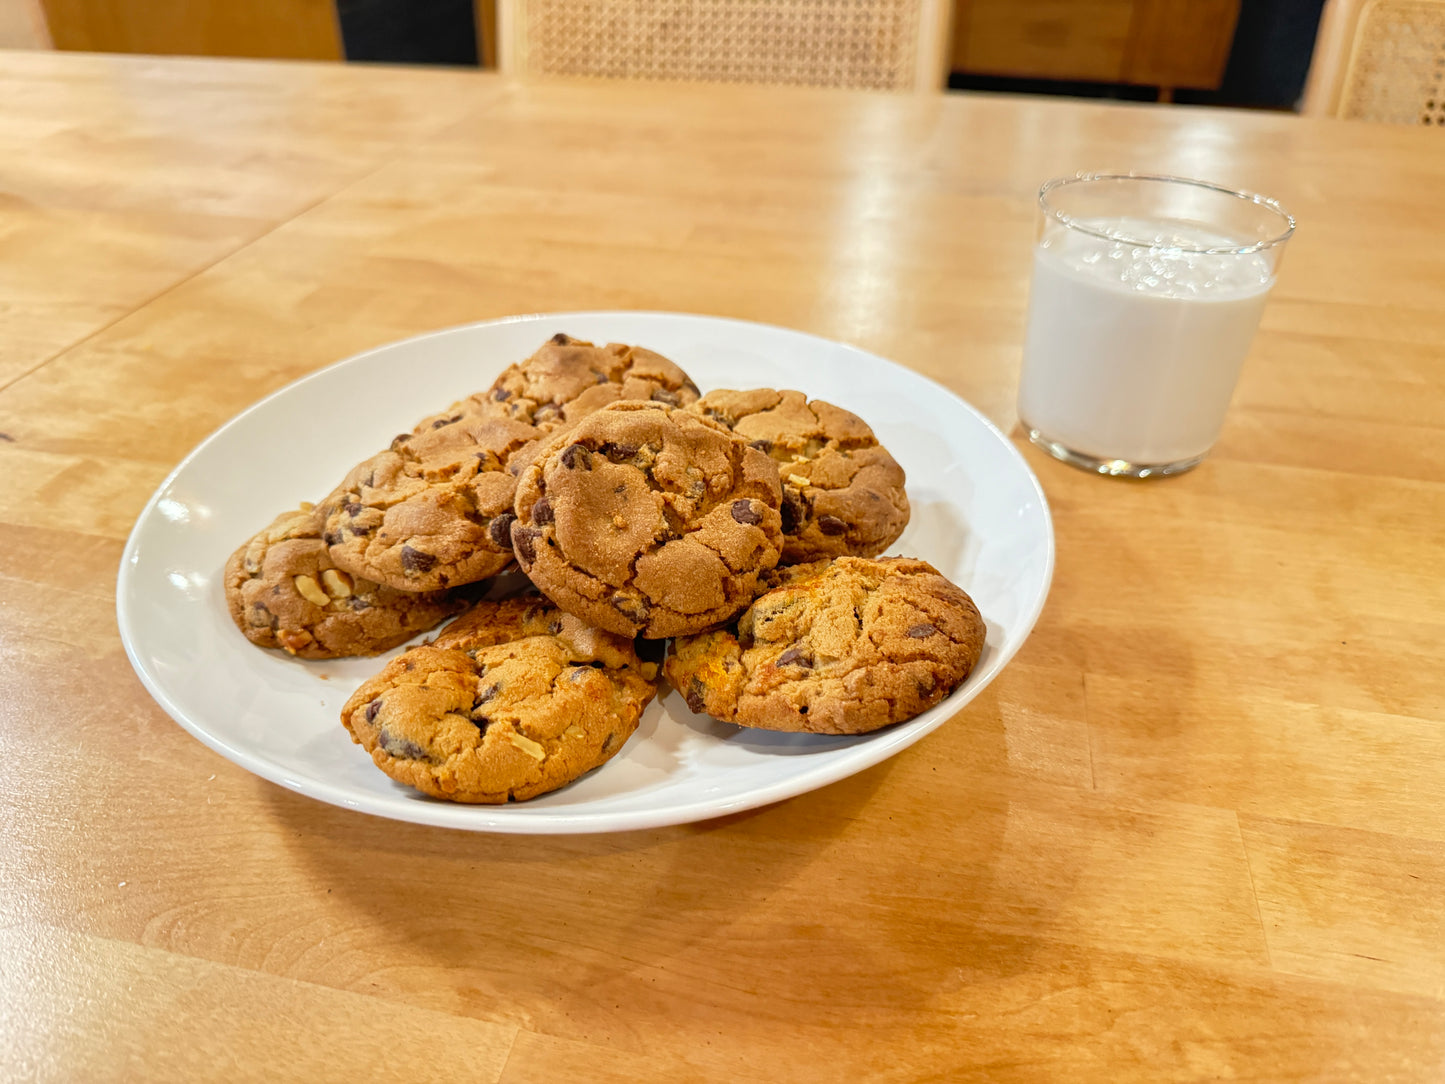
516 820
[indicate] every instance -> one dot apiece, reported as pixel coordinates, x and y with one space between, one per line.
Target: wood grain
1176 44
1165 43
1192 832
121 178
1049 39
92 1010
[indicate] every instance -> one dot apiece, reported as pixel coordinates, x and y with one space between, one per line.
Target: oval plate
979 516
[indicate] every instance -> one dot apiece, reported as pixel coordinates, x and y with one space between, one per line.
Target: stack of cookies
743 526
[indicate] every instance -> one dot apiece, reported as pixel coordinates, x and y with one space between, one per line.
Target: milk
1132 352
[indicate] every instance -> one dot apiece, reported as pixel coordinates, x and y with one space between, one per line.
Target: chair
1380 60
880 44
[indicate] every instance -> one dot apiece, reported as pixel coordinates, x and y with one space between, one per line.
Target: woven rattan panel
836 43
1397 70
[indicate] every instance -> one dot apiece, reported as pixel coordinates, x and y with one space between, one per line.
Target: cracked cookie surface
283 591
435 509
513 700
431 511
835 647
647 519
567 379
843 492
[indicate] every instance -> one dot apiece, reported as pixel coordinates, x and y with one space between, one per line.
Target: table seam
1254 891
366 173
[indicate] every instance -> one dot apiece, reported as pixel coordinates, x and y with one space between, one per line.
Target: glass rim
1070 222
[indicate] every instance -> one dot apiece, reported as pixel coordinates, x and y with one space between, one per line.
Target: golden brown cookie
648 519
835 647
435 509
842 492
567 379
283 591
514 699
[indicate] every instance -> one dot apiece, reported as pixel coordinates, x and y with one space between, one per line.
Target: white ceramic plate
979 516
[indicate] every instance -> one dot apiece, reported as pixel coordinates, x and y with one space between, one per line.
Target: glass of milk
1146 293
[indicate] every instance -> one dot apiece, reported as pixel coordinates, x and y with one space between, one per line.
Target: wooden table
1196 830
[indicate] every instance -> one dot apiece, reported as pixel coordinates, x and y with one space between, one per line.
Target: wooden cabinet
1169 43
299 29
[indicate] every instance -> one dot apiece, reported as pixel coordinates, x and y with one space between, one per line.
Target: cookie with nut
283 591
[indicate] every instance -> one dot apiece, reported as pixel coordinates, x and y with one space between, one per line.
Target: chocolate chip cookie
435 509
835 647
514 700
645 518
567 379
842 492
283 591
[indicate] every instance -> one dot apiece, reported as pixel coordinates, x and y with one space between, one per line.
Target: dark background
409 31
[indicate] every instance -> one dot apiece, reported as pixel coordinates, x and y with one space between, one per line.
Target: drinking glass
1146 293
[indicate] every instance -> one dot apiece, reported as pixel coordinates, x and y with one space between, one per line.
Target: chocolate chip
920 632
548 409
743 513
499 530
561 339
400 747
662 395
762 445
360 530
446 421
794 657
416 561
332 538
793 514
523 541
400 438
353 509
831 525
634 609
481 722
576 456
489 693
579 672
501 395
607 742
618 452
372 709
542 511
696 690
